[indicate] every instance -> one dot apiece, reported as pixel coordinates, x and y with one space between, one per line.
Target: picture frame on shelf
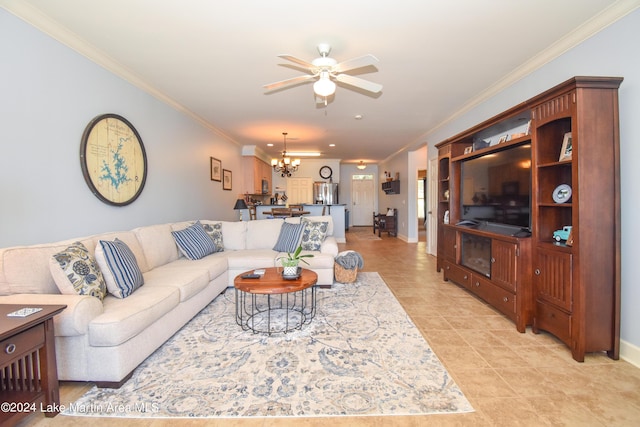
216 169
468 150
226 179
567 148
527 130
503 138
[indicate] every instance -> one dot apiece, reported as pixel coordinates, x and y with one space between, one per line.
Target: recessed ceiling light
270 144
332 145
358 117
304 153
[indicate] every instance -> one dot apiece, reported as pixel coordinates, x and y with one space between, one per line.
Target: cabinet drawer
20 344
554 320
457 274
498 297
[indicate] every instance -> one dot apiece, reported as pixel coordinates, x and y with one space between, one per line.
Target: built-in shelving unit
570 288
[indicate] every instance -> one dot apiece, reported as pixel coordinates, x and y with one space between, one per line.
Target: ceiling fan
324 70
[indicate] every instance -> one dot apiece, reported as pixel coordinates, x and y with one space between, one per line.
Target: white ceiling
212 57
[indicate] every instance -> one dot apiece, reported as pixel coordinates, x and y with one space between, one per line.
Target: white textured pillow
119 267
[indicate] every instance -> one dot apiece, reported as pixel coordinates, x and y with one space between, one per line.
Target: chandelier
285 166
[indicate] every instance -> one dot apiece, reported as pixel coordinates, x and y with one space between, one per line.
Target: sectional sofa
104 339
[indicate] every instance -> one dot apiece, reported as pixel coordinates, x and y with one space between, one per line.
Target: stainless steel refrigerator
325 193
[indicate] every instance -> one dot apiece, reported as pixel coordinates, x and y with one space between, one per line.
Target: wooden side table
28 372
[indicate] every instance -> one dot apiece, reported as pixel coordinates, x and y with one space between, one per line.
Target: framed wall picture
567 148
113 159
226 179
216 169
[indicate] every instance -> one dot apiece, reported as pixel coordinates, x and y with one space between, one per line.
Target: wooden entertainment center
538 276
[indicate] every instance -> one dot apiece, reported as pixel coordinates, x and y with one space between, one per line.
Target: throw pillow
215 233
194 242
289 237
75 271
313 235
119 267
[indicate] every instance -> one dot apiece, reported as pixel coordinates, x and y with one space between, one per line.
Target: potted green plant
291 261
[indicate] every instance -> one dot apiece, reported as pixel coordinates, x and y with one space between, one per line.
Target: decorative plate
562 193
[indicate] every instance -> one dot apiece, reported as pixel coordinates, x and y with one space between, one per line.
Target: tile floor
511 379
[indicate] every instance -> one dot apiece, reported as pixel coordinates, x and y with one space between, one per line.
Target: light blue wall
48 94
611 52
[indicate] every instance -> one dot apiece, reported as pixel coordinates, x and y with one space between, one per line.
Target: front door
362 191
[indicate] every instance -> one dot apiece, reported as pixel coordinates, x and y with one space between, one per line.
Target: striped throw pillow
194 242
119 267
289 237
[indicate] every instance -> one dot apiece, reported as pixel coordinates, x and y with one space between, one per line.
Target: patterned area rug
361 355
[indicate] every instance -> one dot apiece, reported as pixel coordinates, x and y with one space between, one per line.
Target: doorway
422 204
432 217
362 192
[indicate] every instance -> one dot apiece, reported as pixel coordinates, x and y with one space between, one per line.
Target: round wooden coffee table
272 304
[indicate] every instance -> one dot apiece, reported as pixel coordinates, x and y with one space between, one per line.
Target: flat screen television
496 187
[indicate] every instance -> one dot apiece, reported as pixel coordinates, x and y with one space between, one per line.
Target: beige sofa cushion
263 233
251 258
234 235
158 245
215 264
189 280
126 318
25 269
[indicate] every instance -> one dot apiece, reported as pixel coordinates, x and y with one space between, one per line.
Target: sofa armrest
330 246
73 320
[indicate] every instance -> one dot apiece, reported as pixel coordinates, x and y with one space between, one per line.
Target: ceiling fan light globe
324 87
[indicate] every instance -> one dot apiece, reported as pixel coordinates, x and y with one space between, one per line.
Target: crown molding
591 27
42 22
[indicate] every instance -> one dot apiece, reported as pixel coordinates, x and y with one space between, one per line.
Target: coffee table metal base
275 313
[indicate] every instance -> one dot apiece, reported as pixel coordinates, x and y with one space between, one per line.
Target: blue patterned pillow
215 232
119 267
76 271
194 242
313 235
289 237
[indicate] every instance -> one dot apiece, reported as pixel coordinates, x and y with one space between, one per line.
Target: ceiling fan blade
360 83
304 64
351 64
289 82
